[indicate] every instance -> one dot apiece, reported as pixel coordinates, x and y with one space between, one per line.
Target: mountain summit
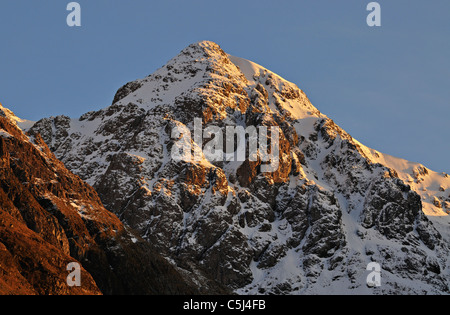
310 226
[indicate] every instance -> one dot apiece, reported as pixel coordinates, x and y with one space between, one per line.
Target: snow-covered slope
312 226
433 187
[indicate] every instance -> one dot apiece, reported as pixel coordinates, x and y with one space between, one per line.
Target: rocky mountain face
311 226
50 218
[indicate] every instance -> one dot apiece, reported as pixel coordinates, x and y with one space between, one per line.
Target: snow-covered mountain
312 226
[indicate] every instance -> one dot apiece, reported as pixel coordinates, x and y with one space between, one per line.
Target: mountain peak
203 70
201 51
331 206
192 67
205 45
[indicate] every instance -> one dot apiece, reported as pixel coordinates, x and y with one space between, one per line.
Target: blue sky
389 87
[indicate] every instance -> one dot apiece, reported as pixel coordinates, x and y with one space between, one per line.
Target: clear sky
388 86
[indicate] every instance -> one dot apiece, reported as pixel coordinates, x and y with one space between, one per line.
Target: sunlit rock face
309 226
